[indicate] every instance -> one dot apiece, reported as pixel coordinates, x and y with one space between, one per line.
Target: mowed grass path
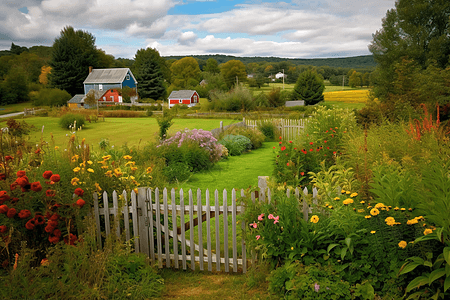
238 172
132 131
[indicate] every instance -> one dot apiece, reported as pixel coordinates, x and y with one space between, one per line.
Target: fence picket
116 213
191 230
97 220
106 209
151 225
225 230
233 218
200 234
126 216
143 226
183 233
174 226
158 228
134 215
217 229
244 251
166 229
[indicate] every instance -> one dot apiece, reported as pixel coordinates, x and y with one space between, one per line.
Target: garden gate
154 220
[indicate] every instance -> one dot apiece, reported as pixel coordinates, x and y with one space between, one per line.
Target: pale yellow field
352 96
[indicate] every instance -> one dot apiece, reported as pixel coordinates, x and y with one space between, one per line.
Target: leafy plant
71 121
236 144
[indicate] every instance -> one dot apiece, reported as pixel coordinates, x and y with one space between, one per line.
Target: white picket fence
147 219
288 129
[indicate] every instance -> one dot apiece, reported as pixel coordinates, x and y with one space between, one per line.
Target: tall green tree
309 87
212 66
186 73
149 75
417 30
233 71
15 87
73 53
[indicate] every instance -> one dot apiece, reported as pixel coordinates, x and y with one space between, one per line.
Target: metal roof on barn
182 94
116 75
77 99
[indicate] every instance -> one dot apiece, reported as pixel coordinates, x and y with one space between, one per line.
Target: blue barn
102 80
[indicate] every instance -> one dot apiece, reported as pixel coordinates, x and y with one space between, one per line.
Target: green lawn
133 131
12 108
235 172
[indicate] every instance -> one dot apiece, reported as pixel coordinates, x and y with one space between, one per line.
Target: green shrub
236 144
51 97
238 99
177 171
255 135
68 121
268 129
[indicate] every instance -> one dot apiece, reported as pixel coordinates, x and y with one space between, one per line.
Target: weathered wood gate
162 226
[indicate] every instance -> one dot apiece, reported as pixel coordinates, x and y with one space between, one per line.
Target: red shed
188 97
111 95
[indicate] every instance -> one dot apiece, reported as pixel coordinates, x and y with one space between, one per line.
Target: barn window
181 101
127 77
195 98
112 91
100 87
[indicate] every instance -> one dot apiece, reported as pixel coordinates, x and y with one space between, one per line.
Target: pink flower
254 225
270 216
276 219
258 237
260 217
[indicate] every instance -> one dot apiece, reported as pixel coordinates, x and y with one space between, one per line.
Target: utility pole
283 79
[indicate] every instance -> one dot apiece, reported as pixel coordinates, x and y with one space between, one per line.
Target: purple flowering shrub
189 151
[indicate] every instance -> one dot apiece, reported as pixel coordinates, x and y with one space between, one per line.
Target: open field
12 108
132 131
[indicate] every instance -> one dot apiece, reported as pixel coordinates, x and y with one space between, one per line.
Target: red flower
49 228
11 213
57 233
280 137
52 223
22 181
14 200
302 173
280 143
283 148
50 193
71 239
304 151
53 239
54 217
55 178
36 186
12 186
8 157
30 224
311 143
2 176
334 152
3 197
274 147
311 150
3 229
328 148
287 164
47 174
81 202
325 141
20 173
295 148
39 219
3 209
24 213
79 192
37 151
290 142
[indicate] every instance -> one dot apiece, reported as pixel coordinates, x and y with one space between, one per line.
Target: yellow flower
74 158
361 210
353 195
368 216
130 163
83 164
127 157
396 208
337 198
90 170
379 205
106 157
343 192
348 192
77 169
117 172
314 219
362 202
402 209
136 190
104 167
427 231
390 221
74 181
347 201
402 244
133 169
56 147
413 221
330 207
90 162
292 248
420 218
109 173
149 170
374 211
97 187
373 231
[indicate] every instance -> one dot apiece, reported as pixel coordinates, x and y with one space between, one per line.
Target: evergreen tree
149 75
73 53
309 87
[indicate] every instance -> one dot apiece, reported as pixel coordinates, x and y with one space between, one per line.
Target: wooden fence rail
145 217
287 128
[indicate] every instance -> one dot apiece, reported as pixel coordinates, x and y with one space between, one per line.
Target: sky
246 28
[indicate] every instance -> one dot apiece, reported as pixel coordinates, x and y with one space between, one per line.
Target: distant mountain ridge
364 61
